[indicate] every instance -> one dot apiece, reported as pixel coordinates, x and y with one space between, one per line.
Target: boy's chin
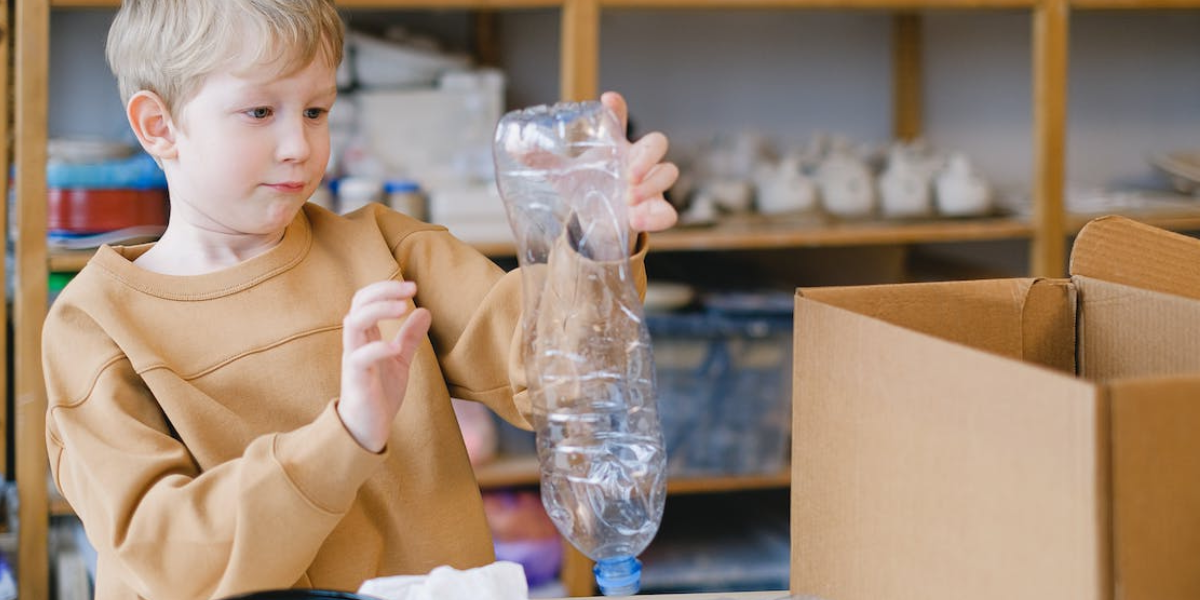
280 214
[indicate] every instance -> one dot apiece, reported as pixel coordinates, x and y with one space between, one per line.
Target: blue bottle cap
392 186
619 576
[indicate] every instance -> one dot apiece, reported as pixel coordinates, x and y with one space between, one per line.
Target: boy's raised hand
649 176
374 370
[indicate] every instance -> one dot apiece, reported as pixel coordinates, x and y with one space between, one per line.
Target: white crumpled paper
501 580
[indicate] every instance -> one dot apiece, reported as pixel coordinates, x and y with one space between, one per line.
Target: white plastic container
354 193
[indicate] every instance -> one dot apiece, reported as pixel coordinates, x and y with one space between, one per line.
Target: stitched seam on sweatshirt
240 355
412 232
504 387
92 385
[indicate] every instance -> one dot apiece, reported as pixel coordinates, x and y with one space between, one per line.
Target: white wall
1134 78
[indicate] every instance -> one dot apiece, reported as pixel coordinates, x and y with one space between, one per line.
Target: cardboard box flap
1127 331
1026 319
895 427
1124 251
1156 489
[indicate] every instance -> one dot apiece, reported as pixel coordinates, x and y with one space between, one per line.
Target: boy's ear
152 124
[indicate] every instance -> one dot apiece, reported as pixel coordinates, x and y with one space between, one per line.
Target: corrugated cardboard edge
1121 250
1156 490
1127 332
1042 313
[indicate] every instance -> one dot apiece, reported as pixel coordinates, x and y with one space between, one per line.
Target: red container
94 211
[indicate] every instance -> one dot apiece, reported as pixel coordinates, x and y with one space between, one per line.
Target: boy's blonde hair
169 46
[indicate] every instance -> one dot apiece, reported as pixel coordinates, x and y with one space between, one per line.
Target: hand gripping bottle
561 173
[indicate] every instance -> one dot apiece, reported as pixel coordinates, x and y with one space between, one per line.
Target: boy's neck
186 250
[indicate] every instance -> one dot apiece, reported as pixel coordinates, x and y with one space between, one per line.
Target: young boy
261 399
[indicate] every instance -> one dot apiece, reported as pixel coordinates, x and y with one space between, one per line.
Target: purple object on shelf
542 559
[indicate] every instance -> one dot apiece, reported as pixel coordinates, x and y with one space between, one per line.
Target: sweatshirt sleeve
476 309
254 522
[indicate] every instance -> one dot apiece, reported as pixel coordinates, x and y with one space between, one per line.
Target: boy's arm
477 308
168 531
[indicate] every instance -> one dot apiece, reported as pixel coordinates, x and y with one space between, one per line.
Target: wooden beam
486 34
579 68
907 81
5 127
29 306
577 577
1048 253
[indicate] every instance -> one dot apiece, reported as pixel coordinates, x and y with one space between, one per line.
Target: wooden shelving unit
523 470
1046 229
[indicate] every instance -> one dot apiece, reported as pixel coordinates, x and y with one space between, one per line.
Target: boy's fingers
655 214
646 153
383 290
414 329
367 317
655 183
361 324
616 103
404 346
367 355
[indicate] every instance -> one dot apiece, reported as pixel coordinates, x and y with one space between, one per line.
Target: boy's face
252 147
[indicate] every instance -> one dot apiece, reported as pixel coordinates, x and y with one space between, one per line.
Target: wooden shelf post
906 77
29 305
1048 252
5 124
579 67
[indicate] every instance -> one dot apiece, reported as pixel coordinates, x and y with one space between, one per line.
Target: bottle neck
618 576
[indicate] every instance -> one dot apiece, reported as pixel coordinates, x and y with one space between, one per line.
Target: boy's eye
260 112
315 113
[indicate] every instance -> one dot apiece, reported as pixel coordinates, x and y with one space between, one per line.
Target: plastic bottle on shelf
561 173
404 195
356 192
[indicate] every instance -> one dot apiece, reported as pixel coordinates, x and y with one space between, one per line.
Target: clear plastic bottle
561 173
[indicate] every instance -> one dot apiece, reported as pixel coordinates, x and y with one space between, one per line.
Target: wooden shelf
367 4
674 4
1134 4
758 233
508 471
728 483
817 4
69 261
523 471
764 233
761 233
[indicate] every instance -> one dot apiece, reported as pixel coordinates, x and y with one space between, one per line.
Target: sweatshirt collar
117 262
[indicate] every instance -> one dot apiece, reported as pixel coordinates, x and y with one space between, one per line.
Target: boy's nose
294 144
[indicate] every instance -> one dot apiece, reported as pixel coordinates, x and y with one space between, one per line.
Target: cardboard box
1007 439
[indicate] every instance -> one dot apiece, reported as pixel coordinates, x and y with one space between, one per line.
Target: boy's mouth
287 187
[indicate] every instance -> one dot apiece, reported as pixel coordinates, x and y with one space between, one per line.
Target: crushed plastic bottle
561 173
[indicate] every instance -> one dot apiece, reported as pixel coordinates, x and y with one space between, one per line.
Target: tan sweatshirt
192 427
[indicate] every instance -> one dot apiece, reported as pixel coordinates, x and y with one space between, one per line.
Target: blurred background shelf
520 471
763 233
564 37
367 4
